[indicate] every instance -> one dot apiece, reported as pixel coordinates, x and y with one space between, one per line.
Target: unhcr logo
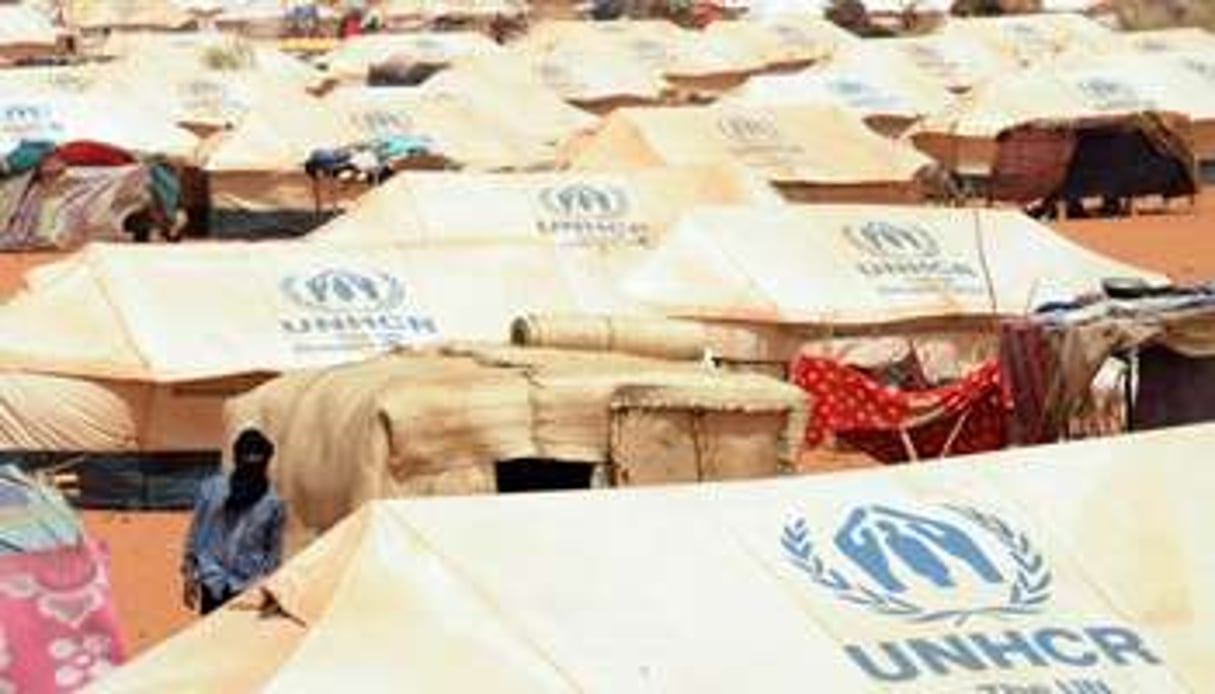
749 129
1105 94
937 570
345 291
650 51
793 36
586 201
380 123
25 115
585 213
886 240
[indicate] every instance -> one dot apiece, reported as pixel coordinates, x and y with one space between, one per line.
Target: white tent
1085 567
863 265
24 31
888 94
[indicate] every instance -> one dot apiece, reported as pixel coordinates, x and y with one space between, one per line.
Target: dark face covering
247 484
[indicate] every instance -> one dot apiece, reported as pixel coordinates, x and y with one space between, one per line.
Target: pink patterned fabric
58 628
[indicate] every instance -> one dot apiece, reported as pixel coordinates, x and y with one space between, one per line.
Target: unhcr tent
105 15
408 14
1032 38
1163 40
203 80
963 137
581 209
60 117
956 62
1024 567
153 338
459 127
841 266
597 81
808 152
25 33
783 41
888 94
355 57
685 58
524 108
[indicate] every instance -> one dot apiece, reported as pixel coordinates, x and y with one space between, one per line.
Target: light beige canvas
1085 561
856 264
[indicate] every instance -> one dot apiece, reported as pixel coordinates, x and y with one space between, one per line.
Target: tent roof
812 145
576 74
175 313
779 40
660 45
21 25
1162 40
59 117
864 83
1032 38
858 264
697 588
956 61
460 126
354 56
1084 87
457 9
571 208
204 79
116 14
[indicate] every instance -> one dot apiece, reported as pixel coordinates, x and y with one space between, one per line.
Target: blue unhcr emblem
902 554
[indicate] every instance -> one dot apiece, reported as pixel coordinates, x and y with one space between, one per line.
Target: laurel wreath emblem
1028 592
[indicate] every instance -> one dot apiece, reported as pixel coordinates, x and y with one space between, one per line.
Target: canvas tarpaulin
233 308
23 31
522 109
436 423
573 209
599 81
355 56
1033 38
459 127
841 265
66 117
963 136
808 152
888 94
955 62
744 587
124 14
697 61
171 314
784 40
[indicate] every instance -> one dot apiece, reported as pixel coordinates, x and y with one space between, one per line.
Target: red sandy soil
1180 244
145 551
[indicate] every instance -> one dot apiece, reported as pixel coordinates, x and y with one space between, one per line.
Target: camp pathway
145 552
1181 244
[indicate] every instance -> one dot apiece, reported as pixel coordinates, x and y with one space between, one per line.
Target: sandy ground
1180 244
145 551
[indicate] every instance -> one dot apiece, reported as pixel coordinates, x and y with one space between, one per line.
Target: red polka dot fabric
849 406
